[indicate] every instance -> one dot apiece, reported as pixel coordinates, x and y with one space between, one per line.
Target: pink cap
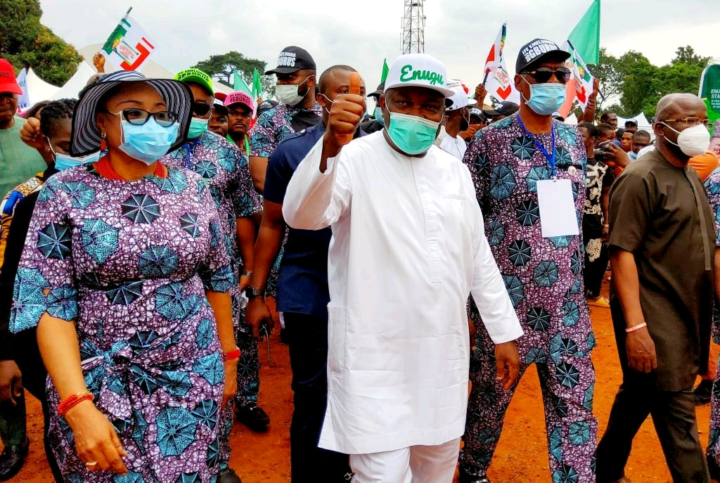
240 98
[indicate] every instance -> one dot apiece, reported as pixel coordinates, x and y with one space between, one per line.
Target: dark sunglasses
138 117
544 74
201 109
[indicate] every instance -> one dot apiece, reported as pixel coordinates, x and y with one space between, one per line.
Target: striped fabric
85 133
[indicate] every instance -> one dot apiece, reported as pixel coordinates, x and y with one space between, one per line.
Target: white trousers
417 464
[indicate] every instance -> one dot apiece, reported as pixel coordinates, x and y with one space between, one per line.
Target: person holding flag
528 171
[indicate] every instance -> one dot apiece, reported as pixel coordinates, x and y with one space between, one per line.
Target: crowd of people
435 246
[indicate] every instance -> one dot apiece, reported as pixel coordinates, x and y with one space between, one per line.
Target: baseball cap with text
418 70
293 59
538 51
460 98
7 78
240 98
197 76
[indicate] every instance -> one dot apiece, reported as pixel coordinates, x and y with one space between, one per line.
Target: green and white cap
418 70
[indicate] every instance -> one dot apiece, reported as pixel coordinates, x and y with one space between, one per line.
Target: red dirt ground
521 455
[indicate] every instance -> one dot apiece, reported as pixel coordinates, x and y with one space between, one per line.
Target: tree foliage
24 41
638 85
221 67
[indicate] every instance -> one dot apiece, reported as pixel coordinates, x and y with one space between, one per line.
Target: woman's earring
103 143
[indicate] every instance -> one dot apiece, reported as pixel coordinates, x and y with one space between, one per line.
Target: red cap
7 78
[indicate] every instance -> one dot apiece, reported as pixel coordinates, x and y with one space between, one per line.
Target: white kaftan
408 247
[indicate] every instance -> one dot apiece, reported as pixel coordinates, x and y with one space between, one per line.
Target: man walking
528 172
408 248
662 243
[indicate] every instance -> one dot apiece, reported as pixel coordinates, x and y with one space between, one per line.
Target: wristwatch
251 293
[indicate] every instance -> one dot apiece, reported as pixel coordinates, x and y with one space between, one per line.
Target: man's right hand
30 134
10 382
641 351
257 313
345 115
615 154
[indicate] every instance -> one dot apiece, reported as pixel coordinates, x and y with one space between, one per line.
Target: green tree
610 79
24 41
221 67
637 74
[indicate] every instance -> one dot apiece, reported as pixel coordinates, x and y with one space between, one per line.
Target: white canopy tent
640 119
37 89
77 82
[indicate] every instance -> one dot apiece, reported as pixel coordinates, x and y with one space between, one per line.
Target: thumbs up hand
346 113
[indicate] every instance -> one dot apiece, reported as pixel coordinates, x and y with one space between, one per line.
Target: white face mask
693 141
288 94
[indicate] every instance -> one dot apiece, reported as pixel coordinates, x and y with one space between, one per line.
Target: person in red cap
241 111
219 117
18 162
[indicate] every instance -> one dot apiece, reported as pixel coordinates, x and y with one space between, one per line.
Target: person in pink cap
241 112
18 162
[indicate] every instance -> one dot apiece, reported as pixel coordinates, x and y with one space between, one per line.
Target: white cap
418 70
459 98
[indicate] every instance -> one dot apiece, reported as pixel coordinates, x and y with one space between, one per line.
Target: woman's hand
95 439
230 381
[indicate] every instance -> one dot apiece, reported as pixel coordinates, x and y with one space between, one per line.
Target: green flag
710 93
385 71
241 85
586 35
257 85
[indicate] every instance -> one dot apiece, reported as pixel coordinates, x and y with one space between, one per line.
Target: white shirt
455 146
408 248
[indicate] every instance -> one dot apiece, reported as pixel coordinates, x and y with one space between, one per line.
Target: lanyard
247 146
190 148
551 159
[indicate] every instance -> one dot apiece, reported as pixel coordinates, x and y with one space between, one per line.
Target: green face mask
411 134
197 127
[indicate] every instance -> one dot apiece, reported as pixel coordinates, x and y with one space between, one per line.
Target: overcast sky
361 34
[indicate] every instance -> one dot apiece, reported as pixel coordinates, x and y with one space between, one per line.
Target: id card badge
557 208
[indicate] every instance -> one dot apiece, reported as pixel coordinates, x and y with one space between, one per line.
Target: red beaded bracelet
232 355
71 401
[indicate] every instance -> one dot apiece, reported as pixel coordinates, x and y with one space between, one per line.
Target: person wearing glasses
225 172
527 170
126 277
663 250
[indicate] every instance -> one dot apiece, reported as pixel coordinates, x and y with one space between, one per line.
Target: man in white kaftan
408 248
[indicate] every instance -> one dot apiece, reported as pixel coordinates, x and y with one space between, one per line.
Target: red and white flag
497 81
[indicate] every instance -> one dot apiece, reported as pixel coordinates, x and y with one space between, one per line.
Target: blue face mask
65 161
149 142
545 99
379 116
198 127
411 134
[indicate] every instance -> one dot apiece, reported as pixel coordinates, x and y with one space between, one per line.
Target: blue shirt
303 282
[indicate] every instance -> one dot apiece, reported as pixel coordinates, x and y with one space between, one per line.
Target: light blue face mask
411 134
65 161
149 142
545 99
379 116
198 127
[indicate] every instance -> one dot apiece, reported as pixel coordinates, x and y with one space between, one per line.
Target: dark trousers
595 271
13 429
308 340
28 359
673 415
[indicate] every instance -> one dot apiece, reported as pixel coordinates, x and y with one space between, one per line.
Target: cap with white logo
460 98
418 70
293 59
538 51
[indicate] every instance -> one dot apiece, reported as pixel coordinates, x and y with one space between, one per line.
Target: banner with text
128 47
710 90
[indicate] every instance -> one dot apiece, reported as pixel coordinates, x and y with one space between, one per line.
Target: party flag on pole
385 71
257 85
128 47
586 35
497 80
241 85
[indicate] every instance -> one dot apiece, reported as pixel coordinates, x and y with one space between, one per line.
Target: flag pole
128 12
599 91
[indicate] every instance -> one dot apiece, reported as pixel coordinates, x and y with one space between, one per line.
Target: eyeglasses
200 109
690 121
138 117
544 74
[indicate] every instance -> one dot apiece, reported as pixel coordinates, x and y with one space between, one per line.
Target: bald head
680 106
